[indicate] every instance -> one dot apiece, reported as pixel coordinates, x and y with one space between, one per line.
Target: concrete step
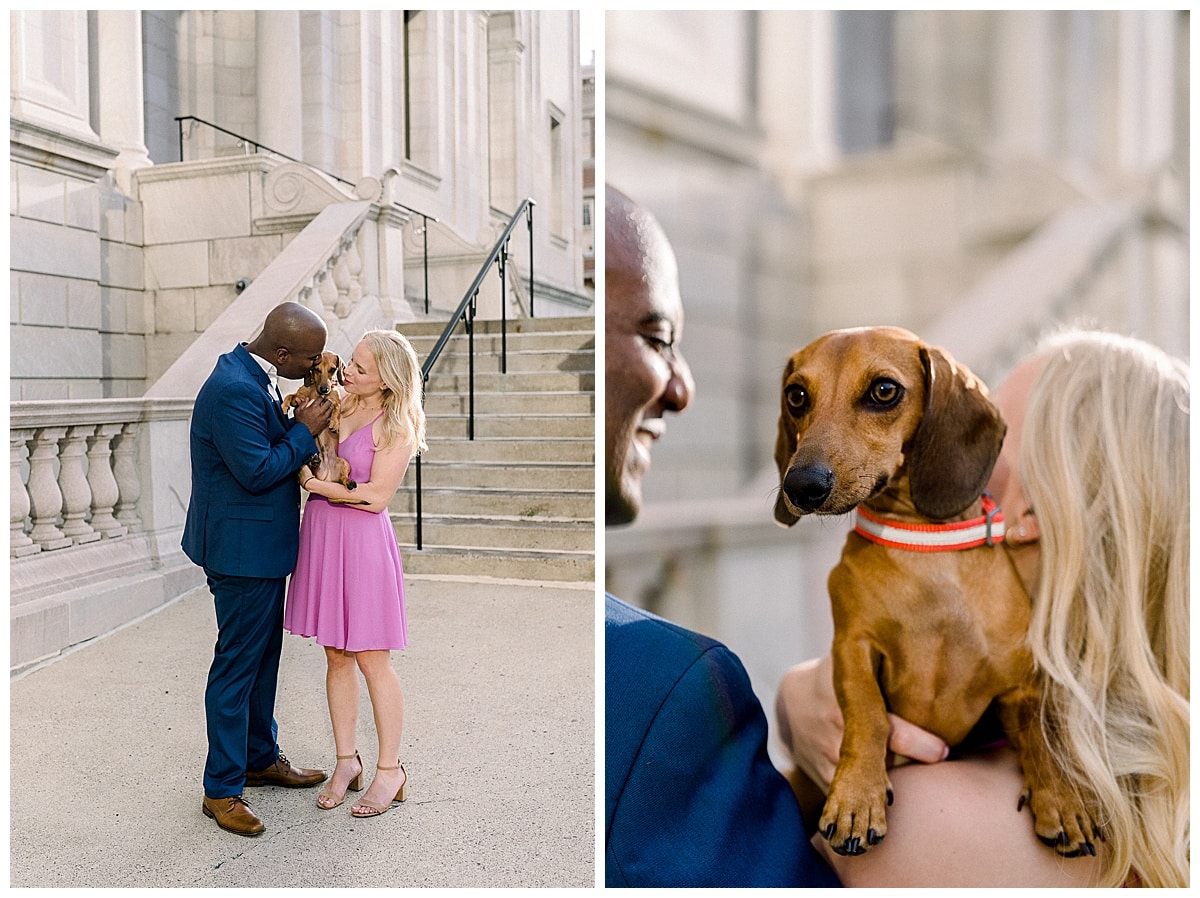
550 360
557 402
498 532
502 563
512 382
503 501
514 475
524 426
511 449
413 329
562 341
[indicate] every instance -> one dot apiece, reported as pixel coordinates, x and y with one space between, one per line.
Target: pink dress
348 588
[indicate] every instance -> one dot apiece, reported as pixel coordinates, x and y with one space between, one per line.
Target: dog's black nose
808 487
323 389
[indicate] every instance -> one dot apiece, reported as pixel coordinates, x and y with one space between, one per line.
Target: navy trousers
239 701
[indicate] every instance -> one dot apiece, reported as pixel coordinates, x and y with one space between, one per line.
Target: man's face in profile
645 374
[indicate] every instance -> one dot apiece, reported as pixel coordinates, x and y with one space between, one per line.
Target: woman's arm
387 471
810 724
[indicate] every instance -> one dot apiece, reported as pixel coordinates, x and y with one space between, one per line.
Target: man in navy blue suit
242 527
691 797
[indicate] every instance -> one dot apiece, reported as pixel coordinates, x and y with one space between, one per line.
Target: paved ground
108 745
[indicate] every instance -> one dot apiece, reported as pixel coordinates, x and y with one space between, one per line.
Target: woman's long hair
1104 460
404 418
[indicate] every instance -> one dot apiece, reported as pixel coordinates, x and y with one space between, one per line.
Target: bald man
691 797
242 527
645 374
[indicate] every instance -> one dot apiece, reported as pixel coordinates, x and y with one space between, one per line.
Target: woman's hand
811 724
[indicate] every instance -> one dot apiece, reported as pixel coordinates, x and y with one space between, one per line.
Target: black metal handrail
425 219
466 313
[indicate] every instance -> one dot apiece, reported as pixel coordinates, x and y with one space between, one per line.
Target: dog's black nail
873 838
1020 802
829 831
891 797
854 846
1089 848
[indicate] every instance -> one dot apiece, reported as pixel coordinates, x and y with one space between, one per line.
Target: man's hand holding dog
315 414
810 724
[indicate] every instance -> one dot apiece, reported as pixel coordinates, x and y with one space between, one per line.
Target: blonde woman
1093 479
348 588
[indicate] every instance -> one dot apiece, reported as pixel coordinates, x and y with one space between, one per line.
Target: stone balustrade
98 494
75 476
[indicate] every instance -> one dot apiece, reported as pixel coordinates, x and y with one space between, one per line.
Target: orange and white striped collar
987 530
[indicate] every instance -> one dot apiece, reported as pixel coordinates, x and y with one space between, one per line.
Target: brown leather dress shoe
284 773
233 814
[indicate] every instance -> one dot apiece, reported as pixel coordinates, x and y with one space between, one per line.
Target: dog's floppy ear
785 447
340 371
957 442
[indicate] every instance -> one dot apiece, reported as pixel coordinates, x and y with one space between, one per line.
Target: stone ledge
45 627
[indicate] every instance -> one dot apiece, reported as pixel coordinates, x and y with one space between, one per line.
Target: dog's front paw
855 815
1061 819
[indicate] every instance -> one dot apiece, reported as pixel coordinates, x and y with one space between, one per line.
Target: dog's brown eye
796 397
885 392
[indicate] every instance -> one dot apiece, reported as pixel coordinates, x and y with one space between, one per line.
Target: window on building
557 218
418 93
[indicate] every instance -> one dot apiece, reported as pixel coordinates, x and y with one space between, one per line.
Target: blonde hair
404 413
1104 460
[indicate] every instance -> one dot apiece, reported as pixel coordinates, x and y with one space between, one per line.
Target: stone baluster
125 472
72 480
341 280
45 497
326 287
355 263
105 492
19 542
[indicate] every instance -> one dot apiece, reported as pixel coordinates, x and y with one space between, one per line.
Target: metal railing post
503 260
425 234
471 367
419 503
529 222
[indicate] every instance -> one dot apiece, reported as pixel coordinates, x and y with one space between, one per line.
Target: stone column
277 51
118 88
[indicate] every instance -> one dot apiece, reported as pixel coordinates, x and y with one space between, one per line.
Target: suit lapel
256 371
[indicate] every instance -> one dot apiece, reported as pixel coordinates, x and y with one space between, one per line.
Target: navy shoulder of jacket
691 796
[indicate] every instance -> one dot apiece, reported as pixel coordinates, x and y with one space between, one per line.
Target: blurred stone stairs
518 501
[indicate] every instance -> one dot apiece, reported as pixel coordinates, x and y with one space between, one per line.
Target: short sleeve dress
348 587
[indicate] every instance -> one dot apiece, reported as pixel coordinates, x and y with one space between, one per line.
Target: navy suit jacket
243 519
691 797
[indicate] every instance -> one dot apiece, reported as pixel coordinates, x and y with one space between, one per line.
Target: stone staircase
518 501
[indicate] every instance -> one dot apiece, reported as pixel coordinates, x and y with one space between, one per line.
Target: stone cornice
59 151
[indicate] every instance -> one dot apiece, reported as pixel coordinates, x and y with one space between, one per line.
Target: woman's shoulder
957 824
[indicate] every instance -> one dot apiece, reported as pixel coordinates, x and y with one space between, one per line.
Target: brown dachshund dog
319 381
875 420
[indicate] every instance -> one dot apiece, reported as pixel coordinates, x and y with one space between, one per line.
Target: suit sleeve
703 805
242 437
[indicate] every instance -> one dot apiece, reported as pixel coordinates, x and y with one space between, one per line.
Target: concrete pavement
107 748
